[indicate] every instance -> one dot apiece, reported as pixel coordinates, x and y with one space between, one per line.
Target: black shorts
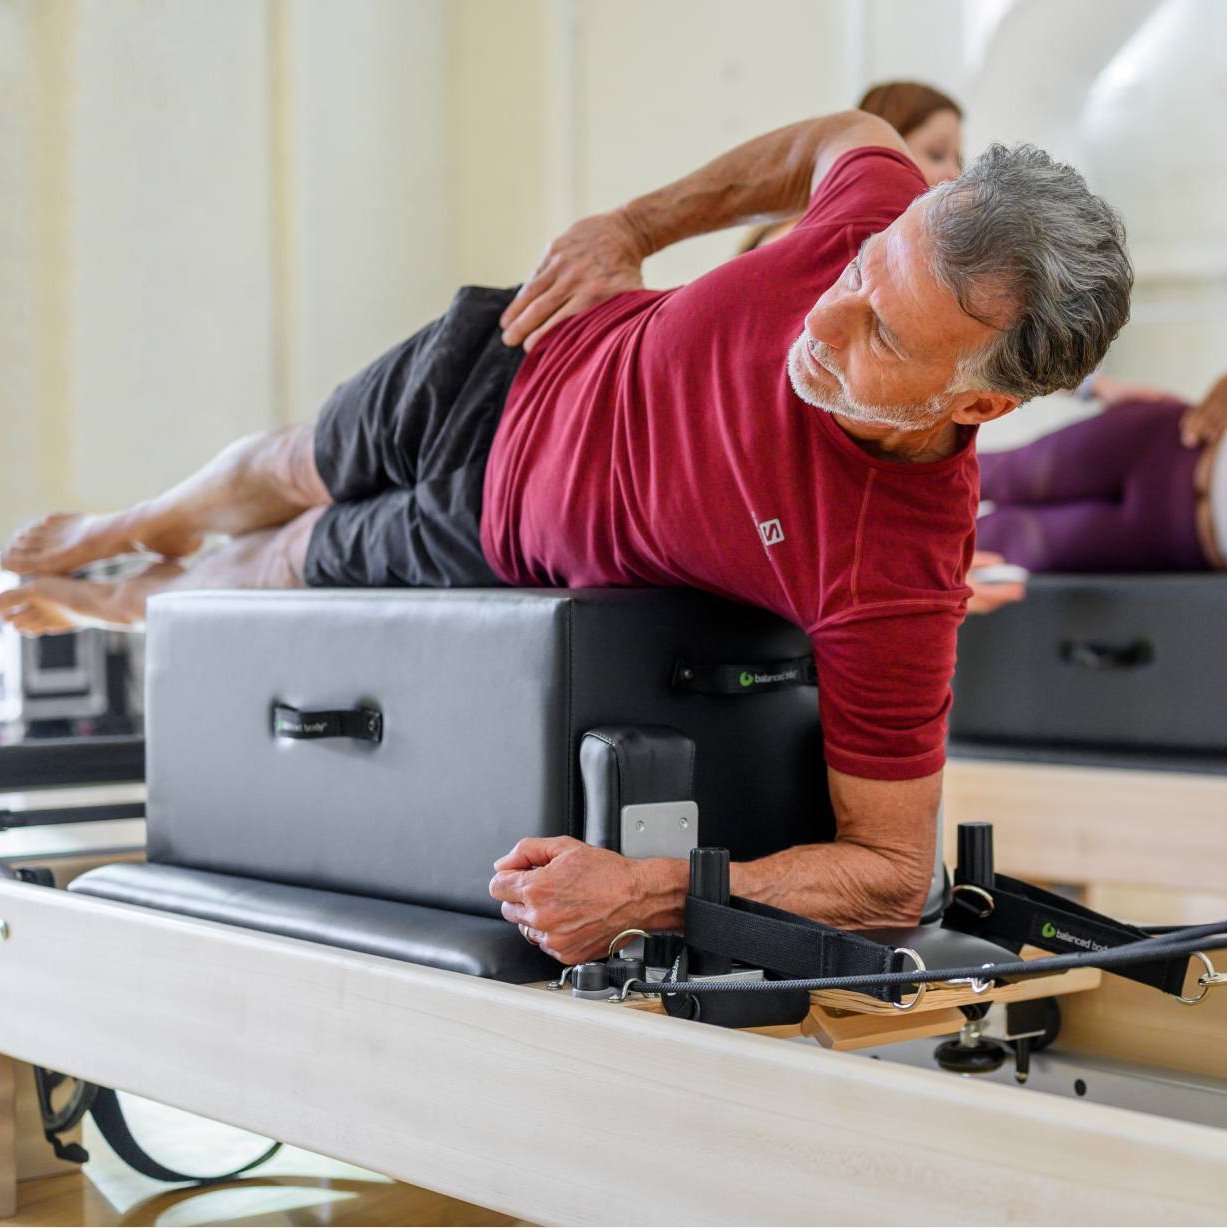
402 448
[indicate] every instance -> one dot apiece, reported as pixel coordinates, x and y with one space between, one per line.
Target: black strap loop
103 1104
745 679
1088 655
114 1128
1026 915
363 724
788 945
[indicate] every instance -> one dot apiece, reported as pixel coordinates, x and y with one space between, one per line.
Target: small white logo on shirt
771 531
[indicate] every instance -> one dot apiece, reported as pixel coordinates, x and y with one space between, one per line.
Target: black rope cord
1185 941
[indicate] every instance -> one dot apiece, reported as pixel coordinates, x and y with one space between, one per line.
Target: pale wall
212 211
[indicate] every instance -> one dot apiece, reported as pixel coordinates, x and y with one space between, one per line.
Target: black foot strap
788 945
104 1105
1014 913
111 1122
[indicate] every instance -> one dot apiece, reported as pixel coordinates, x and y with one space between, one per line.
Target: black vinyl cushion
628 765
457 942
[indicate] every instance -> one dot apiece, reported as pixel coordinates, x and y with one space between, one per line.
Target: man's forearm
876 872
841 884
770 176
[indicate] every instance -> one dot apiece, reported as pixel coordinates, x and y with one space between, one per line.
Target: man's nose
828 322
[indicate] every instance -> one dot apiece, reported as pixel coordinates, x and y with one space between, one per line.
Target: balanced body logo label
746 678
287 724
1048 930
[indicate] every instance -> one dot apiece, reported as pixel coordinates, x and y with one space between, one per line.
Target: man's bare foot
62 543
50 605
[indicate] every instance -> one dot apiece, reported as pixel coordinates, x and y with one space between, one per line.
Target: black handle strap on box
788 945
748 678
362 724
1018 914
1086 654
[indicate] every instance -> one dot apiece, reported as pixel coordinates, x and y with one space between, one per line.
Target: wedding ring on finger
527 935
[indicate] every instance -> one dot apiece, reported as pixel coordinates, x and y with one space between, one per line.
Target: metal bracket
660 829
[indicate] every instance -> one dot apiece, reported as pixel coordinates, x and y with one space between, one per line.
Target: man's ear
976 408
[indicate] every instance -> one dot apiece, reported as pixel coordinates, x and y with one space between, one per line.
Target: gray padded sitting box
484 698
1132 663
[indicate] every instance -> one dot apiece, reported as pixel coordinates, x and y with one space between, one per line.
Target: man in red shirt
794 429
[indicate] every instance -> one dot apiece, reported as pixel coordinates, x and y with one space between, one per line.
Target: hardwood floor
295 1187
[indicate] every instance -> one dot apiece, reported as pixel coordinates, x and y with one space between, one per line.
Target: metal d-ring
921 989
617 938
1211 976
984 895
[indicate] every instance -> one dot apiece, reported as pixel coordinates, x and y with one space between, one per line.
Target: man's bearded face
817 378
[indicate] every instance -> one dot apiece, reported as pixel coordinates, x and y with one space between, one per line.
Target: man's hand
985 598
573 898
597 258
1206 421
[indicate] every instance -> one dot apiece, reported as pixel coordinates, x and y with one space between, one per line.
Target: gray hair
1020 237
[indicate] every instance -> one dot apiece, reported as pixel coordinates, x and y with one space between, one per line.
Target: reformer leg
8 1137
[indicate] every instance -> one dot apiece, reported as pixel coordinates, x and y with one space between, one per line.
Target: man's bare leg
267 558
256 483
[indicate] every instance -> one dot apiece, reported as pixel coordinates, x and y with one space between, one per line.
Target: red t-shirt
655 439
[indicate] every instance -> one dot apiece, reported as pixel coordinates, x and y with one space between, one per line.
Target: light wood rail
537 1105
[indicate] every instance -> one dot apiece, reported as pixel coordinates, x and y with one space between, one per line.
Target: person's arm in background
1109 390
989 595
1203 423
600 256
1206 421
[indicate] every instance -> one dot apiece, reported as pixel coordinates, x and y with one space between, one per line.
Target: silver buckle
921 989
1208 978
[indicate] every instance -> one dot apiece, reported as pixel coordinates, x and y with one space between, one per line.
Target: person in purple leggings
1141 486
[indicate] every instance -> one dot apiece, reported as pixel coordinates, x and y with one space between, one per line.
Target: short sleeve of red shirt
868 187
882 717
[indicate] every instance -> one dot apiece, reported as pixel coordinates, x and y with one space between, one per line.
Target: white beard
908 417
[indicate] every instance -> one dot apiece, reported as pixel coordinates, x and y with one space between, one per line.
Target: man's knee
285 553
288 461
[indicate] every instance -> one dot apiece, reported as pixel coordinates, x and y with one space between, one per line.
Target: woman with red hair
931 124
